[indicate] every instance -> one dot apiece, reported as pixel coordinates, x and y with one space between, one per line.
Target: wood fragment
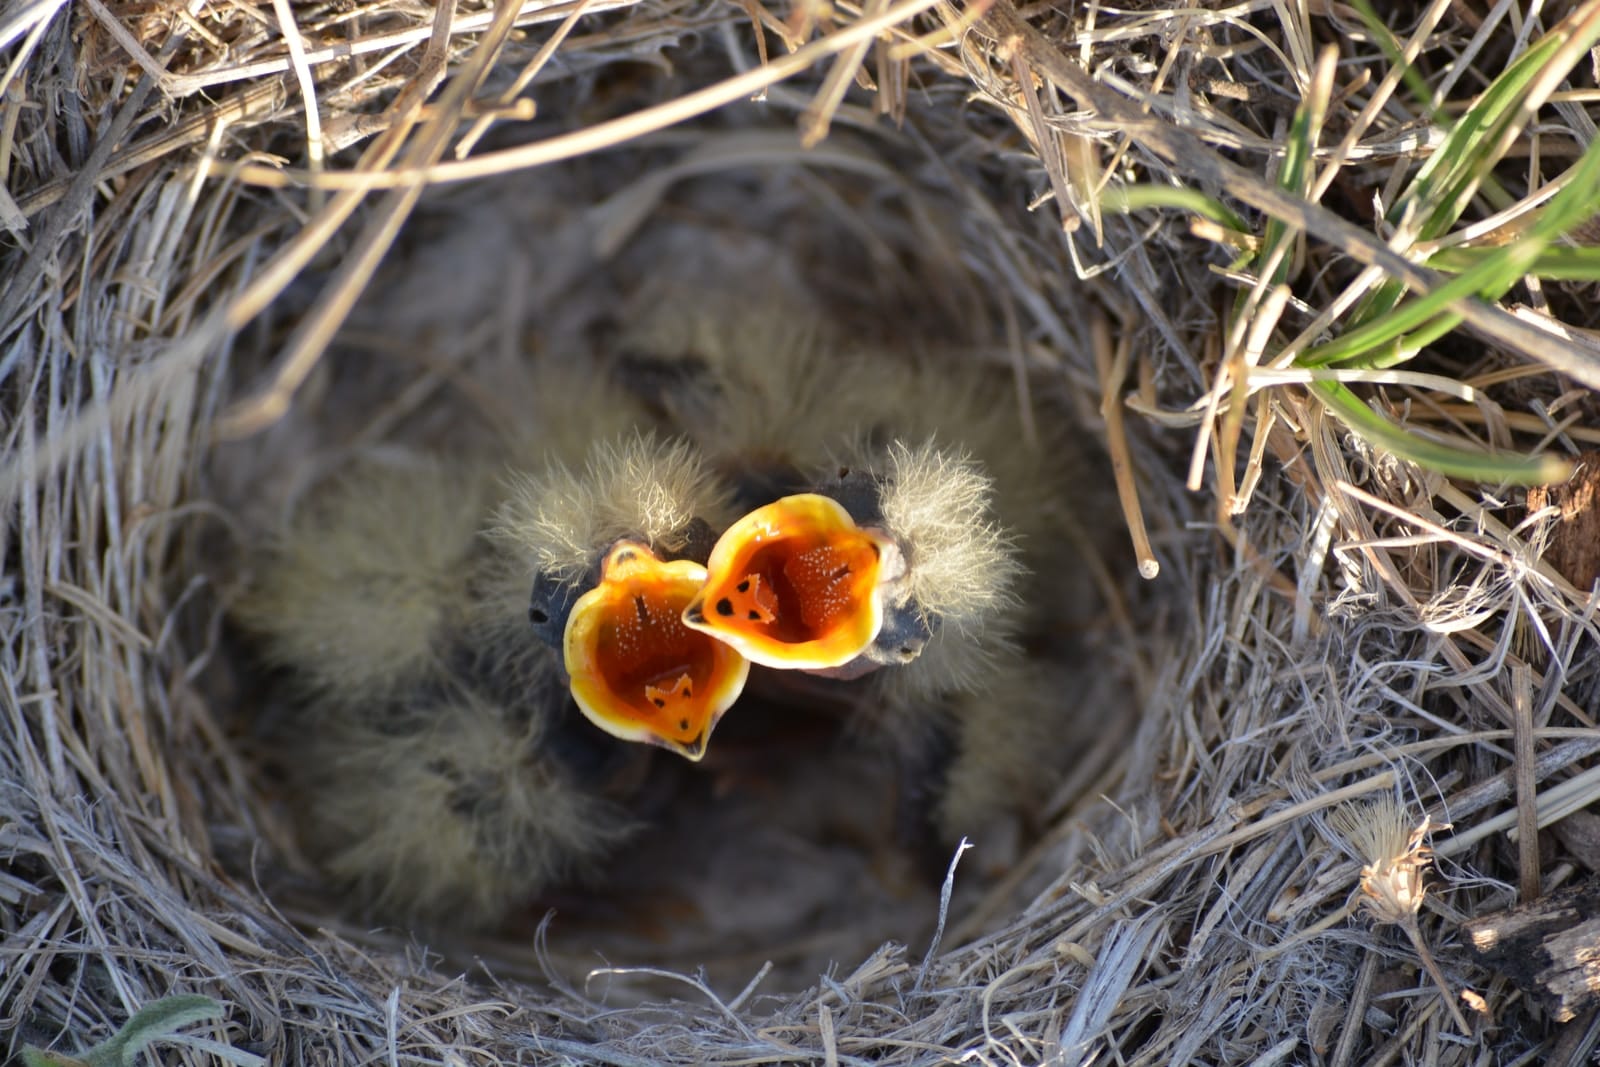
1575 539
1550 949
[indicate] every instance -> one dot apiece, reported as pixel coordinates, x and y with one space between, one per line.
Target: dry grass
196 194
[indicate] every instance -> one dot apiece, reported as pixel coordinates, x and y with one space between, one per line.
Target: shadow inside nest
418 735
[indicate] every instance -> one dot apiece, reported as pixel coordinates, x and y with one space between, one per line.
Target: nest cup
801 852
191 347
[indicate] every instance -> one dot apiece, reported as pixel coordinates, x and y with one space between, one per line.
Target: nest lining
1196 916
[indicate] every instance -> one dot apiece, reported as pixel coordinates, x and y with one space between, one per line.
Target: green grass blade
1444 185
1130 198
1378 343
1294 177
1391 49
1456 462
156 1020
1559 264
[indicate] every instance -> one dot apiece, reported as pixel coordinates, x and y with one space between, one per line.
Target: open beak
796 584
637 671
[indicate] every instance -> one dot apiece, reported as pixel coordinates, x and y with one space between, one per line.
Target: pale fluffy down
557 414
449 810
1014 739
437 767
939 503
561 521
758 392
962 568
351 596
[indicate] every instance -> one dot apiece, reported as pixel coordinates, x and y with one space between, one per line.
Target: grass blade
1454 461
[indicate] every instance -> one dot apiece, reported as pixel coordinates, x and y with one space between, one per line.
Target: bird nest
1341 696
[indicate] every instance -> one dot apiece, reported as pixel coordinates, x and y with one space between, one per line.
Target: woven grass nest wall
1342 700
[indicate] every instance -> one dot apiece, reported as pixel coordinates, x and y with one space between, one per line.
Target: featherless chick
616 553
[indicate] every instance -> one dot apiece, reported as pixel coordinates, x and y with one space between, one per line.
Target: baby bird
615 557
866 571
356 591
898 529
441 758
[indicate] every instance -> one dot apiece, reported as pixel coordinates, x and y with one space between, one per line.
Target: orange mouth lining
799 590
793 584
637 671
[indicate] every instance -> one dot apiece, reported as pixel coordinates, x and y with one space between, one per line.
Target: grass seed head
1380 833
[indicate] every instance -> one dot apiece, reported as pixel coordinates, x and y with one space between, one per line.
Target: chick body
436 759
355 594
615 555
453 805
